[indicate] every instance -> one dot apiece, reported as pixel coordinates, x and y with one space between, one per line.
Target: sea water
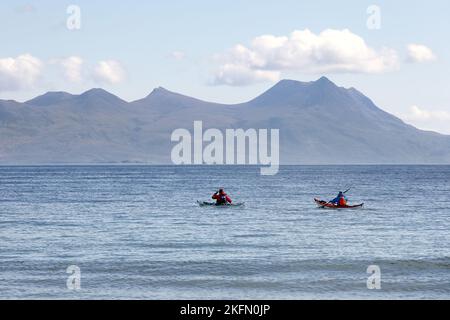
136 232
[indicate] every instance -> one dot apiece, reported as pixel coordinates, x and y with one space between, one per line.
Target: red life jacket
342 202
222 198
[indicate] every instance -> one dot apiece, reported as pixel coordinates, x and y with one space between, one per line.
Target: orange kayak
325 204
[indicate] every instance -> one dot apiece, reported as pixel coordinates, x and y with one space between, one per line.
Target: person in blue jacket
340 200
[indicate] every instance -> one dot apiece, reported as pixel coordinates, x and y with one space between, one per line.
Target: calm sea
136 232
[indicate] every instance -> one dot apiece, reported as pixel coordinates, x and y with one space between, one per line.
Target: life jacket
342 202
222 198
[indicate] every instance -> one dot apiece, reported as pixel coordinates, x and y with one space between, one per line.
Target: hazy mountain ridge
319 123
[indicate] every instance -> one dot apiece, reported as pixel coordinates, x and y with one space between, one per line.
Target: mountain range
319 122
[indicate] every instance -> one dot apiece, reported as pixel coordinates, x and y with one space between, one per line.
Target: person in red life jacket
340 200
221 198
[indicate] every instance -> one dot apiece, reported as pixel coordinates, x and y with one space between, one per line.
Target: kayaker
221 197
340 200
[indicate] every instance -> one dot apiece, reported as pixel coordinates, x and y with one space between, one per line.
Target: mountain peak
325 83
169 100
163 93
288 84
51 97
324 79
293 92
159 90
95 91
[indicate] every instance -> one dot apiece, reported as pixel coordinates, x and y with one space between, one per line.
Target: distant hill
319 122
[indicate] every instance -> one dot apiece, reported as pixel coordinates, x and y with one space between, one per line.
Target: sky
395 52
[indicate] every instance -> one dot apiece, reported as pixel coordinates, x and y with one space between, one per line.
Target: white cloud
25 72
331 51
18 73
240 75
435 120
72 68
109 71
417 113
419 53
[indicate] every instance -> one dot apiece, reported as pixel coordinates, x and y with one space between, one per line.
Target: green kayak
213 204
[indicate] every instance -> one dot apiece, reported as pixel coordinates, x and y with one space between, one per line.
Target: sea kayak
213 204
327 205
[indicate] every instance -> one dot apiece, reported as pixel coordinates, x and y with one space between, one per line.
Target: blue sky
190 47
